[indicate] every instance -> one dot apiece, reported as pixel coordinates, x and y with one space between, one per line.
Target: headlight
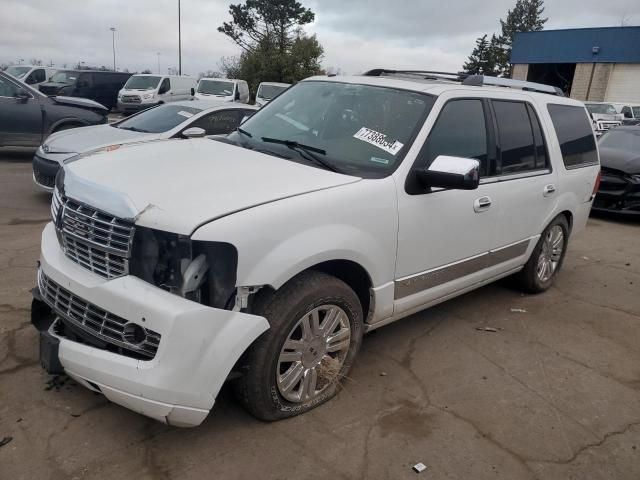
635 177
204 272
147 96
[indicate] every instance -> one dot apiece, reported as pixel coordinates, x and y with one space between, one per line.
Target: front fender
277 240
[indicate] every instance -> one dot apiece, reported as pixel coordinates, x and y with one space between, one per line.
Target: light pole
113 44
158 62
179 43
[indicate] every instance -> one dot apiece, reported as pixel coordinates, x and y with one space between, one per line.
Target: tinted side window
85 80
38 75
459 131
7 89
166 85
626 111
515 137
575 135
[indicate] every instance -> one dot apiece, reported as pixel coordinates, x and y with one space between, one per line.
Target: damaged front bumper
197 348
618 193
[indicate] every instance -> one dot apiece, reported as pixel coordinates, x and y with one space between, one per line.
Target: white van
145 90
223 89
267 91
32 75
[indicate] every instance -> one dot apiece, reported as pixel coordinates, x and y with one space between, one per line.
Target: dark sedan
619 190
27 116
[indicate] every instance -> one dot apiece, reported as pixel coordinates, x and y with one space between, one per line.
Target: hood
624 160
78 140
179 185
211 96
81 102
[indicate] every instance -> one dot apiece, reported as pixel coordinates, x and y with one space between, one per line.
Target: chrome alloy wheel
313 353
551 253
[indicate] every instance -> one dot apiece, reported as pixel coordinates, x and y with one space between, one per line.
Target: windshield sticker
379 140
185 114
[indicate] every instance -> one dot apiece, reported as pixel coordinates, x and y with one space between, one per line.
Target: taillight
596 186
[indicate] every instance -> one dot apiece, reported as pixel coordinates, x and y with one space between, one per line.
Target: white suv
263 257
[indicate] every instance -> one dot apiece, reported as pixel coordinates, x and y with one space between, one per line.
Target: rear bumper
198 348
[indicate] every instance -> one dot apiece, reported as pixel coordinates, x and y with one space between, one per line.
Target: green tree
493 57
274 45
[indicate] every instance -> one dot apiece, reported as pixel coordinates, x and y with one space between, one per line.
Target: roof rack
423 74
468 79
481 80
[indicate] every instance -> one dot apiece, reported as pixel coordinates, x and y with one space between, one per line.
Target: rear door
20 119
525 185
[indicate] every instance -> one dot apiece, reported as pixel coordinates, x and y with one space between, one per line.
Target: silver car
189 118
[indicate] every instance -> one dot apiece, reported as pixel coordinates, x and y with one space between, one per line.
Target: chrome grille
56 203
131 99
98 241
94 320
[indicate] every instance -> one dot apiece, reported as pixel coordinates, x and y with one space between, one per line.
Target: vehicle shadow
16 155
621 218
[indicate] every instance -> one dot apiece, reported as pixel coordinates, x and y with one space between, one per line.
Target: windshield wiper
306 151
134 129
243 132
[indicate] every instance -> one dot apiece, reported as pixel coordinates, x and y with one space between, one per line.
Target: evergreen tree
493 57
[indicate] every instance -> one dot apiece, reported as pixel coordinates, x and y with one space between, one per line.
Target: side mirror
193 92
194 132
22 95
451 172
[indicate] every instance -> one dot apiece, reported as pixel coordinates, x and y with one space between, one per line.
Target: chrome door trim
437 276
515 176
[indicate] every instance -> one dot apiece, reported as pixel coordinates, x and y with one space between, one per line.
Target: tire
531 277
268 385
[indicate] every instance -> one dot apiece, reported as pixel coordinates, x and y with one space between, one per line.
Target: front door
20 118
444 236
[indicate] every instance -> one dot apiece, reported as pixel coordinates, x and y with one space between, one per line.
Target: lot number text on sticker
379 140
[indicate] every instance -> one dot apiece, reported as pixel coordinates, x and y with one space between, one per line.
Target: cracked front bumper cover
199 346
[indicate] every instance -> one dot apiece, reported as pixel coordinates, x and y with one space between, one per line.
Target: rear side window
575 135
515 133
459 131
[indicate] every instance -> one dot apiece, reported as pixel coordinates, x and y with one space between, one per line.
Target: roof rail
423 74
480 80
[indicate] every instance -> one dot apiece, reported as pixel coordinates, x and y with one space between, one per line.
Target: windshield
270 91
64 77
215 87
621 139
17 72
142 83
159 119
601 108
361 130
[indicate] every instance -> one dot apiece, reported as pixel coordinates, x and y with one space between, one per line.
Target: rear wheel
547 257
315 332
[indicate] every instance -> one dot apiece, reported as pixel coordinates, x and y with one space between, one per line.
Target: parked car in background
100 86
631 113
267 91
30 74
146 90
619 190
346 204
170 120
604 116
226 90
27 117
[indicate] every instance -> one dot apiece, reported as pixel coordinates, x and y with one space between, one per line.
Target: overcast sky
356 34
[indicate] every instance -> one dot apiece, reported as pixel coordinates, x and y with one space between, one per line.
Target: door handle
481 204
549 190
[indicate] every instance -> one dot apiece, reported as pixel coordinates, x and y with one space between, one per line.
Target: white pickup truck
262 258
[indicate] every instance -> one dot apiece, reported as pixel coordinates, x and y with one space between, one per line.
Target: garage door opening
555 74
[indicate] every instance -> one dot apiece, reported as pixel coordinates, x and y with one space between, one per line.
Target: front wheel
315 333
547 257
